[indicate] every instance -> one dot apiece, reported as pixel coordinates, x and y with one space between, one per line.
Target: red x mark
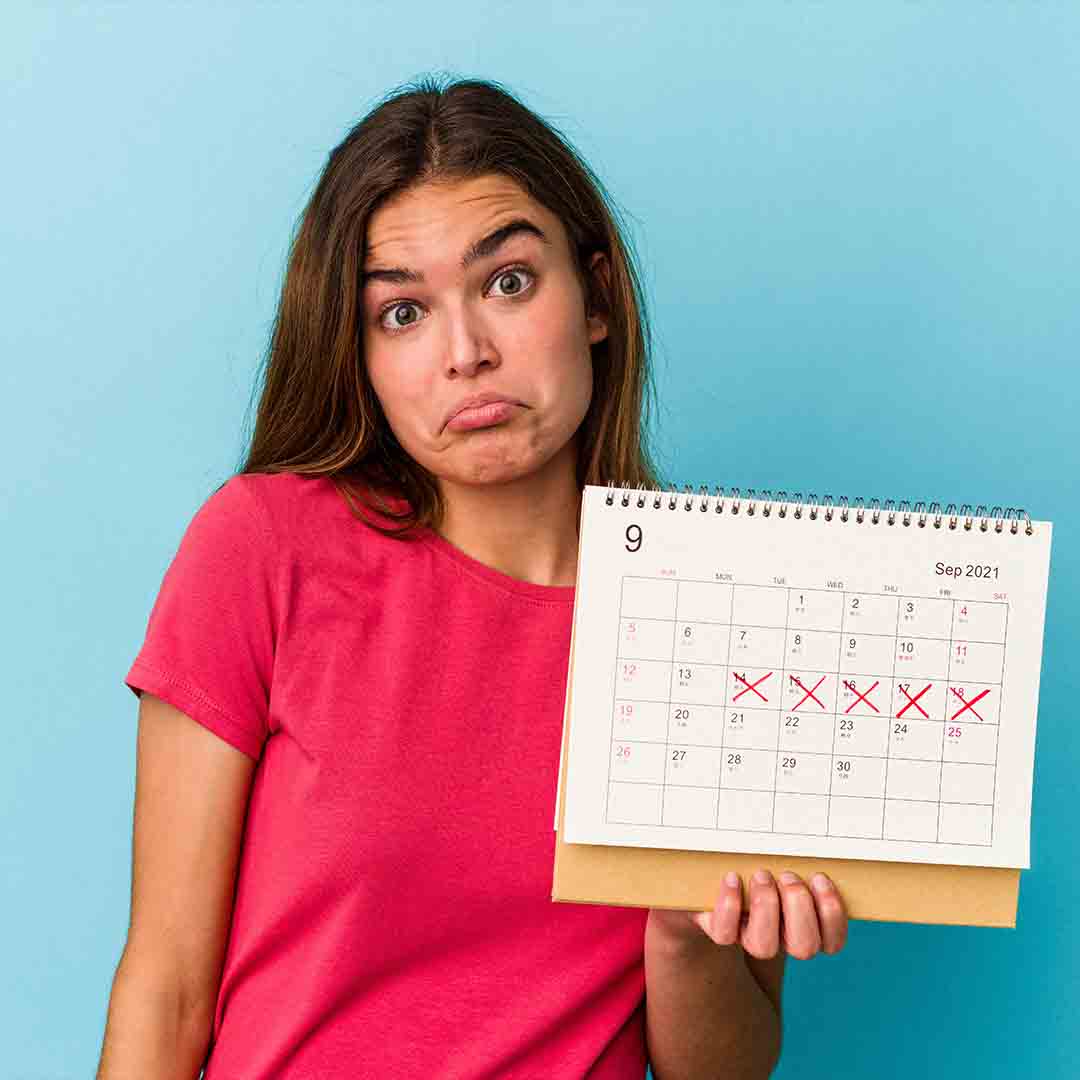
914 701
967 704
754 687
861 697
809 693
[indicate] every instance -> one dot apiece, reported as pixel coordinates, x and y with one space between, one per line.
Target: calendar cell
753 646
647 598
869 614
752 769
976 661
864 695
642 680
849 816
759 605
638 762
963 783
752 688
690 807
862 736
918 739
866 654
645 639
640 721
750 729
914 780
811 650
697 684
744 809
973 743
804 773
920 699
921 658
960 824
696 766
696 725
922 616
634 804
979 621
804 815
905 820
704 602
973 703
703 642
858 776
809 732
815 609
809 692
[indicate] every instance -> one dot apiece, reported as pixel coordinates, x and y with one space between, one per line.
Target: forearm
706 1014
151 1030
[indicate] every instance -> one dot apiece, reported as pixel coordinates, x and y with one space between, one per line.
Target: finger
761 935
832 915
726 916
802 935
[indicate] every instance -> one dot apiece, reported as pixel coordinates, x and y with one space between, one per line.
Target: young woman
353 677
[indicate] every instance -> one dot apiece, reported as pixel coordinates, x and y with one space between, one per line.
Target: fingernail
732 878
762 877
788 878
821 883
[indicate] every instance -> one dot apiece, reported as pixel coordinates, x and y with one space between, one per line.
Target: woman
369 626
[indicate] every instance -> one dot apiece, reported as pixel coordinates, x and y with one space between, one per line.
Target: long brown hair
317 412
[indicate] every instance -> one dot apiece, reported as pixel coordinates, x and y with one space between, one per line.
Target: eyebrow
487 245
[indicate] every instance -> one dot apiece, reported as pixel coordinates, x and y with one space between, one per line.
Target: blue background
859 228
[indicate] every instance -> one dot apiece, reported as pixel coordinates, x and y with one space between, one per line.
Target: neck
526 528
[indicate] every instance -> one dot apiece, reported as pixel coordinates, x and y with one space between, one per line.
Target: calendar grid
707 780
896 634
944 733
671 675
614 693
730 622
997 730
832 757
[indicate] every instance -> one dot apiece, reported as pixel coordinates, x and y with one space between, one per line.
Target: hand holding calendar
800 918
767 676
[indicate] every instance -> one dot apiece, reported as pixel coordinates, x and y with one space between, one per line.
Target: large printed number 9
633 536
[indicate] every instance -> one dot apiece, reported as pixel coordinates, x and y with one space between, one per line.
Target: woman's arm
151 1030
191 794
707 1013
713 978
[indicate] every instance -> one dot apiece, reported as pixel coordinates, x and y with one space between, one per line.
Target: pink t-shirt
404 702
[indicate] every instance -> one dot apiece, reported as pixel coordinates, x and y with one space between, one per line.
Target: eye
509 272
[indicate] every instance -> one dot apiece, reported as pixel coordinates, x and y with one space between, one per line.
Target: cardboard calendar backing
690 880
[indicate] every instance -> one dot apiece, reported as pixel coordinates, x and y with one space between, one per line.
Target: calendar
789 676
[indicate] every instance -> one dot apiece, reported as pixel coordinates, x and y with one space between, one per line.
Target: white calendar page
804 687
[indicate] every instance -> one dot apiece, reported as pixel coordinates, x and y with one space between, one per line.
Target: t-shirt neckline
532 590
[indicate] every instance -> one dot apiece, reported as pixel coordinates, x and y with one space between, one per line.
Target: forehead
448 216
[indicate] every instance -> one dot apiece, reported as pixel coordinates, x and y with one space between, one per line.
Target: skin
786 914
510 489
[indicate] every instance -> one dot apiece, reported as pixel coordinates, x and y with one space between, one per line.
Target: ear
597 301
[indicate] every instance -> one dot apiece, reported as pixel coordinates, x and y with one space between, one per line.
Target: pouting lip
486 398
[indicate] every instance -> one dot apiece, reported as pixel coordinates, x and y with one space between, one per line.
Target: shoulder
279 500
305 512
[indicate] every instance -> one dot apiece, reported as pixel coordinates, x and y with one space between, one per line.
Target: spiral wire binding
827 508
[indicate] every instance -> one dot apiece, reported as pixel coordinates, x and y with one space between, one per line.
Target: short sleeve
209 643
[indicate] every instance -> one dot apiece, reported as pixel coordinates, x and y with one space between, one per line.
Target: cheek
561 334
397 395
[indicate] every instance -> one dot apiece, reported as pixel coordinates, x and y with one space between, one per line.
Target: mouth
488 414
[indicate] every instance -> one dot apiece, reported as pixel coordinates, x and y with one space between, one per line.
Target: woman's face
512 323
